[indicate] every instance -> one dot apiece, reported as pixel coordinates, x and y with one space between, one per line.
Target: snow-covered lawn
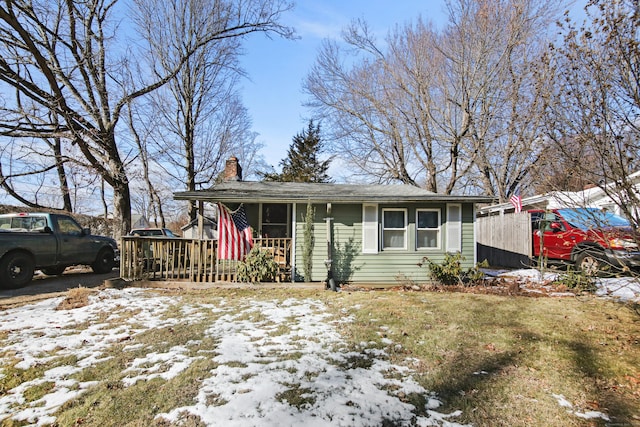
258 362
302 374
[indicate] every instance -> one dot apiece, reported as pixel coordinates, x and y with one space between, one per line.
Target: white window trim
454 229
438 229
405 229
370 228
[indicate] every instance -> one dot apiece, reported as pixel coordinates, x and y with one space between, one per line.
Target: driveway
47 286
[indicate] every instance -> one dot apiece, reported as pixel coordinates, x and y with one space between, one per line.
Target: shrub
258 266
577 280
450 271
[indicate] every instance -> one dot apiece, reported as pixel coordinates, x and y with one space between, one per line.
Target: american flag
516 201
234 233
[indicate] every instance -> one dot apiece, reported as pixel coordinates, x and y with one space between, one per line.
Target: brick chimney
232 170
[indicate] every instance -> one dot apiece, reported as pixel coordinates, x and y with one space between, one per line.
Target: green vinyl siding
350 264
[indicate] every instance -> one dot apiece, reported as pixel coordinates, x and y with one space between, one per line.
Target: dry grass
498 359
501 359
76 298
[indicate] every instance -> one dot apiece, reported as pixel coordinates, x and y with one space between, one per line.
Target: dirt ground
42 286
49 286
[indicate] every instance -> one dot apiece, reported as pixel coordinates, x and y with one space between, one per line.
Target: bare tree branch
67 57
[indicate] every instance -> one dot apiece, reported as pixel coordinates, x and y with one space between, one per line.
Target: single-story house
139 221
370 233
209 230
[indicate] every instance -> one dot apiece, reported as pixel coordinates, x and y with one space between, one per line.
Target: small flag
516 201
234 233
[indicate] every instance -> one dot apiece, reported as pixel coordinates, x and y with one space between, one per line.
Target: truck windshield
588 218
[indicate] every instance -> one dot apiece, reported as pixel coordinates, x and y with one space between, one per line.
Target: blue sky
276 67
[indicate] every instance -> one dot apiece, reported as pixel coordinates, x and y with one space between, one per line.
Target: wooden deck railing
193 260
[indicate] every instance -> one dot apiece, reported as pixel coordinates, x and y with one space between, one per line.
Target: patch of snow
39 333
562 401
265 374
621 288
260 365
259 371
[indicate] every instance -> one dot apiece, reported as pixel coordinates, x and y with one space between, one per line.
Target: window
68 226
454 228
27 223
428 228
543 220
275 218
394 229
370 229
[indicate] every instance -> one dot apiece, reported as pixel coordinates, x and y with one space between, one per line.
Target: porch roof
289 192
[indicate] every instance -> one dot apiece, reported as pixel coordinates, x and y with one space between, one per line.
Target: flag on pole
516 201
234 233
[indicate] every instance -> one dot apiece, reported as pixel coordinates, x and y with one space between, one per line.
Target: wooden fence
505 240
192 260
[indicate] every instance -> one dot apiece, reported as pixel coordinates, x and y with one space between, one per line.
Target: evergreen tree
301 163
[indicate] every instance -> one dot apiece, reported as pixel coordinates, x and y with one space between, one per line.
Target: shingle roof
287 192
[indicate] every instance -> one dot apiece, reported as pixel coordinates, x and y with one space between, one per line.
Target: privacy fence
505 240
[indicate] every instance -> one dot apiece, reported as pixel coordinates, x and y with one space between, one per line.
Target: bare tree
455 109
31 157
375 109
492 49
594 104
201 117
154 204
69 58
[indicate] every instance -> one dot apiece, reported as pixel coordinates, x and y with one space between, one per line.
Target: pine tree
301 163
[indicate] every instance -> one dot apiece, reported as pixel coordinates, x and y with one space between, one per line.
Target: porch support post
200 219
294 236
331 284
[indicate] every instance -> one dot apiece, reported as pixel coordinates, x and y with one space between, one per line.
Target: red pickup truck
592 239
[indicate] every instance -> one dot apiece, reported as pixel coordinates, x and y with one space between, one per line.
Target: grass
500 360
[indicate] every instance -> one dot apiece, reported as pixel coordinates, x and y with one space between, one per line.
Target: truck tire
16 270
54 271
104 262
589 263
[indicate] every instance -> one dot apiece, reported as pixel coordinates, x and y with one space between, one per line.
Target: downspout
331 284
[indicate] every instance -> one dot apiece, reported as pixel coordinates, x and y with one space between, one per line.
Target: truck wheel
589 263
16 270
54 271
104 262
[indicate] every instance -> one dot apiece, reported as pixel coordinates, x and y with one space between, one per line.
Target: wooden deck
190 260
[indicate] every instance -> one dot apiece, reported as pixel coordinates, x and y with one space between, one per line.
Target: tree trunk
62 176
121 208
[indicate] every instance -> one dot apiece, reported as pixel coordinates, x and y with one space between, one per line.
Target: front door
275 220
